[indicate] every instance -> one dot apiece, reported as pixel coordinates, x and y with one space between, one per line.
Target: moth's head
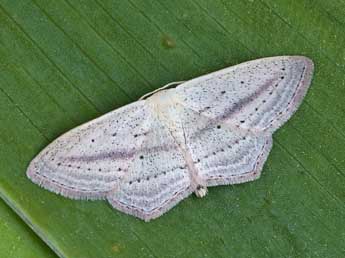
163 98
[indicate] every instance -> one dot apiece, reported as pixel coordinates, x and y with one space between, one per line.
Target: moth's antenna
162 88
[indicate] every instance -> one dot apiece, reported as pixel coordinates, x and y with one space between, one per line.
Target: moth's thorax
163 98
165 105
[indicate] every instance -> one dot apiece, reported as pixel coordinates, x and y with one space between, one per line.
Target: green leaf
66 62
17 239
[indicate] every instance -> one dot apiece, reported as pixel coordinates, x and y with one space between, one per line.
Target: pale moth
147 156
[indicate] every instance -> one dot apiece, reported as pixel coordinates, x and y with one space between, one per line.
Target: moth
147 156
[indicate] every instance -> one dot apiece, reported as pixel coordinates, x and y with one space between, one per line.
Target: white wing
126 156
222 154
258 95
89 161
158 178
229 116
